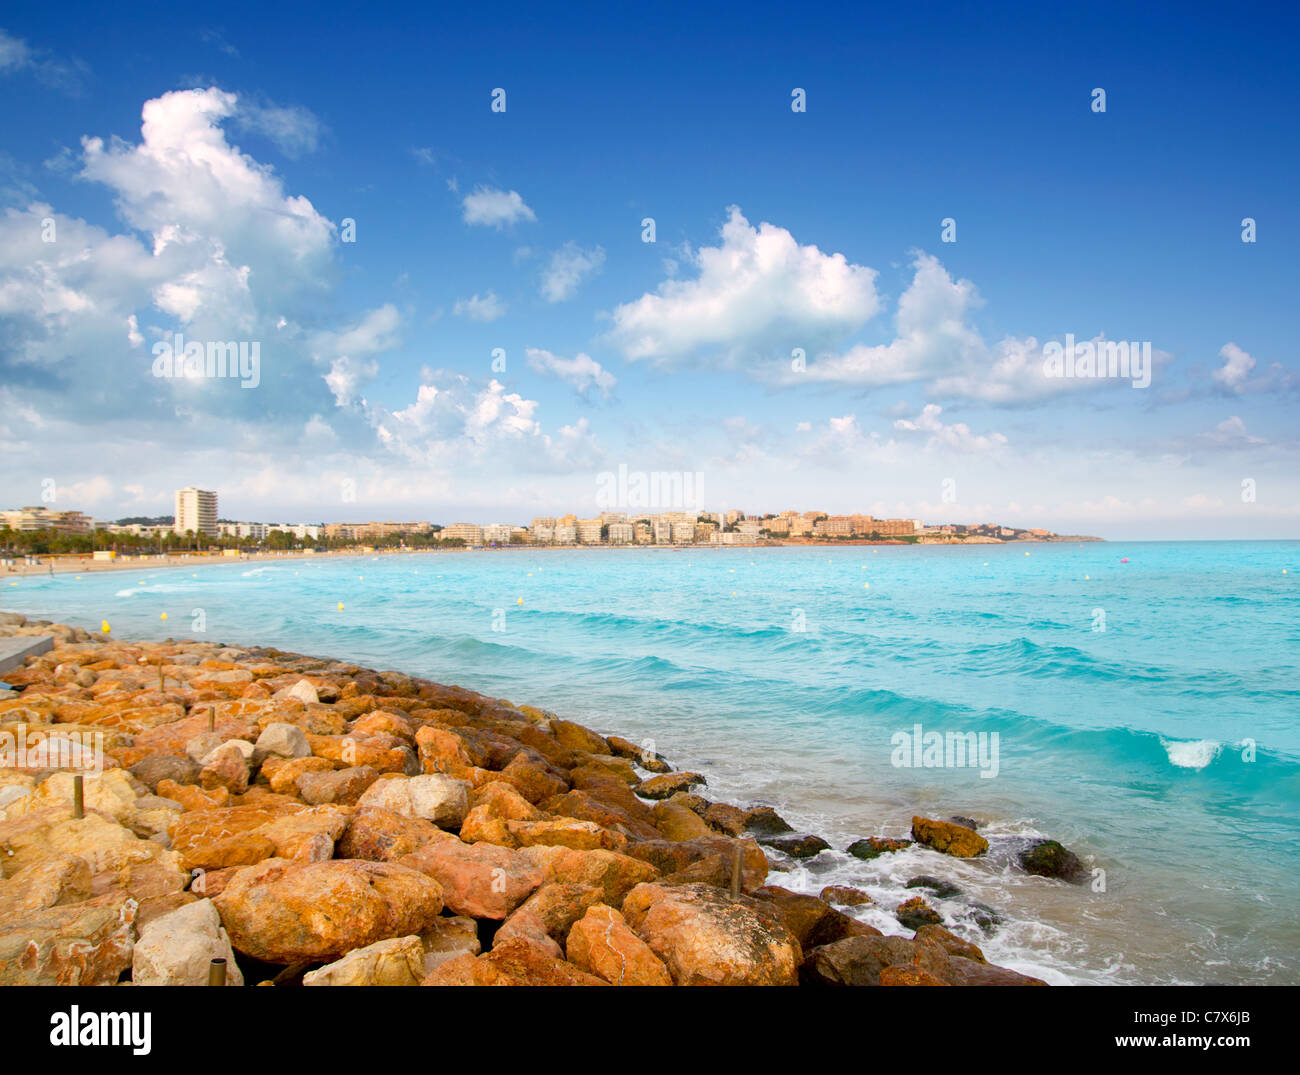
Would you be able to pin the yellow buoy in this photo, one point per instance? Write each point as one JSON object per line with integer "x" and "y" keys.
{"x": 163, "y": 616}
{"x": 866, "y": 585}
{"x": 733, "y": 593}
{"x": 103, "y": 626}
{"x": 141, "y": 582}
{"x": 520, "y": 601}
{"x": 340, "y": 606}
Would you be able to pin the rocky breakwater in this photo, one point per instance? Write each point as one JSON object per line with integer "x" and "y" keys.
{"x": 312, "y": 821}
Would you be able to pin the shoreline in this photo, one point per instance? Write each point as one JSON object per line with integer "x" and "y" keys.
{"x": 499, "y": 787}
{"x": 77, "y": 564}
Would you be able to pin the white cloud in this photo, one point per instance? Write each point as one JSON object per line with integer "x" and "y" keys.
{"x": 350, "y": 352}
{"x": 296, "y": 130}
{"x": 582, "y": 371}
{"x": 569, "y": 266}
{"x": 485, "y": 308}
{"x": 495, "y": 208}
{"x": 757, "y": 291}
{"x": 16, "y": 56}
{"x": 957, "y": 436}
{"x": 1237, "y": 366}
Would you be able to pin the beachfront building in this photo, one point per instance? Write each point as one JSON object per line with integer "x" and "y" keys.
{"x": 500, "y": 533}
{"x": 589, "y": 531}
{"x": 565, "y": 534}
{"x": 642, "y": 534}
{"x": 41, "y": 518}
{"x": 542, "y": 522}
{"x": 621, "y": 533}
{"x": 749, "y": 530}
{"x": 467, "y": 532}
{"x": 255, "y": 531}
{"x": 542, "y": 535}
{"x": 196, "y": 511}
{"x": 683, "y": 533}
{"x": 663, "y": 531}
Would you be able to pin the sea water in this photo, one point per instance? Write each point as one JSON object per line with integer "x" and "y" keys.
{"x": 1142, "y": 700}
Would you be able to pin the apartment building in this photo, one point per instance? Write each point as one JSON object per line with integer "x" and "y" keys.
{"x": 41, "y": 518}
{"x": 467, "y": 532}
{"x": 621, "y": 533}
{"x": 196, "y": 511}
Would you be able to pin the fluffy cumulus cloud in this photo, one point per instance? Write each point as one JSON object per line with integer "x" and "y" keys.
{"x": 493, "y": 208}
{"x": 568, "y": 268}
{"x": 756, "y": 291}
{"x": 480, "y": 308}
{"x": 213, "y": 246}
{"x": 956, "y": 436}
{"x": 587, "y": 376}
{"x": 1236, "y": 368}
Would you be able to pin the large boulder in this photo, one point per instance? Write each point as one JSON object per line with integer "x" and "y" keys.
{"x": 398, "y": 961}
{"x": 85, "y": 943}
{"x": 706, "y": 937}
{"x": 287, "y": 912}
{"x": 178, "y": 948}
{"x": 513, "y": 962}
{"x": 479, "y": 880}
{"x": 602, "y": 943}
{"x": 440, "y": 799}
{"x": 613, "y": 873}
{"x": 382, "y": 836}
{"x": 1047, "y": 858}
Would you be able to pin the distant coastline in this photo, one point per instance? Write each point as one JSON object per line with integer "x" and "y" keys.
{"x": 78, "y": 563}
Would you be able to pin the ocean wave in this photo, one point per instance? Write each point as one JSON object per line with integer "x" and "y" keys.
{"x": 1192, "y": 754}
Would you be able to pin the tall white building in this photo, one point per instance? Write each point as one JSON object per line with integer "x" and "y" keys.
{"x": 196, "y": 509}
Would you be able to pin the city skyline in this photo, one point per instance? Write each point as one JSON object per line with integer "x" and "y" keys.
{"x": 861, "y": 289}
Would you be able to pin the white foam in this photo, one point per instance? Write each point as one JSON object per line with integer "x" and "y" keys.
{"x": 1192, "y": 753}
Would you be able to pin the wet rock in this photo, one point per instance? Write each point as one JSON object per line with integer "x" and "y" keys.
{"x": 763, "y": 819}
{"x": 725, "y": 819}
{"x": 1047, "y": 858}
{"x": 858, "y": 961}
{"x": 899, "y": 975}
{"x": 798, "y": 846}
{"x": 875, "y": 846}
{"x": 677, "y": 822}
{"x": 813, "y": 921}
{"x": 846, "y": 896}
{"x": 949, "y": 838}
{"x": 944, "y": 890}
{"x": 965, "y": 822}
{"x": 706, "y": 937}
{"x": 668, "y": 784}
{"x": 951, "y": 943}
{"x": 915, "y": 913}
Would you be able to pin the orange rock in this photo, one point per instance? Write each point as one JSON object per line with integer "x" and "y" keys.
{"x": 613, "y": 873}
{"x": 479, "y": 880}
{"x": 283, "y": 773}
{"x": 287, "y": 912}
{"x": 514, "y": 962}
{"x": 192, "y": 797}
{"x": 704, "y": 936}
{"x": 906, "y": 975}
{"x": 949, "y": 838}
{"x": 382, "y": 836}
{"x": 601, "y": 942}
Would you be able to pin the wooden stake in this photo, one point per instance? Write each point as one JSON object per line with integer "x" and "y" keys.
{"x": 78, "y": 796}
{"x": 735, "y": 873}
{"x": 217, "y": 971}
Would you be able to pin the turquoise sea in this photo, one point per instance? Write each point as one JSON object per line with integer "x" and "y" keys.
{"x": 1145, "y": 698}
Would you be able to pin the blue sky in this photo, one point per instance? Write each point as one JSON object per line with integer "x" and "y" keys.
{"x": 265, "y": 127}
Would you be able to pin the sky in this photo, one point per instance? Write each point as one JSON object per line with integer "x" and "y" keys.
{"x": 874, "y": 229}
